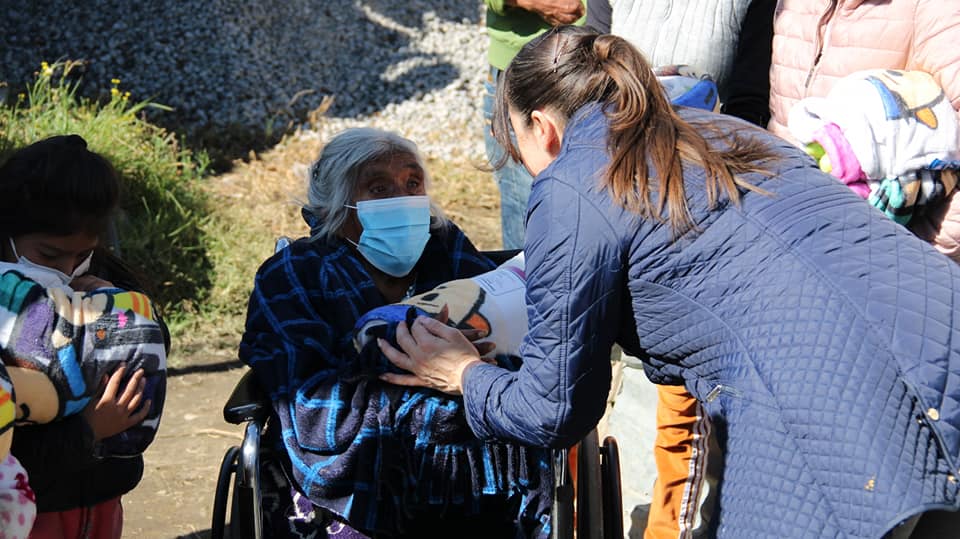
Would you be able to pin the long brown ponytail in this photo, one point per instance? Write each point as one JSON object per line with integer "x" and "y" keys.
{"x": 569, "y": 67}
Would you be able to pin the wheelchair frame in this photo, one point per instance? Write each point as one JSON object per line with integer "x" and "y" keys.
{"x": 590, "y": 508}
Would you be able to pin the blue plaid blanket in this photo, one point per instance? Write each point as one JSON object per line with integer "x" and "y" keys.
{"x": 375, "y": 454}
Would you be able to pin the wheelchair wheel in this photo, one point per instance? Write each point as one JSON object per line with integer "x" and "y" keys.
{"x": 227, "y": 468}
{"x": 612, "y": 492}
{"x": 589, "y": 513}
{"x": 561, "y": 513}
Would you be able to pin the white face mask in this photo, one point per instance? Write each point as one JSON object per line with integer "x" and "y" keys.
{"x": 46, "y": 276}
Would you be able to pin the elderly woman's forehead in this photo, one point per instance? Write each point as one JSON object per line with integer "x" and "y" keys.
{"x": 388, "y": 164}
{"x": 394, "y": 159}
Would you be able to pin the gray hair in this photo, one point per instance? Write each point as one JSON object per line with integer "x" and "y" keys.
{"x": 333, "y": 177}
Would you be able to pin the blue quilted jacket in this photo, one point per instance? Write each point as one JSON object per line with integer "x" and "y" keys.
{"x": 823, "y": 338}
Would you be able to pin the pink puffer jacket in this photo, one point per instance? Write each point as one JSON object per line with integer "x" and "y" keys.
{"x": 816, "y": 42}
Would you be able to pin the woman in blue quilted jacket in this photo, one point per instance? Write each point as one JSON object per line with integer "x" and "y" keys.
{"x": 821, "y": 336}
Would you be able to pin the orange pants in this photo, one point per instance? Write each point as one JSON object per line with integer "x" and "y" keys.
{"x": 680, "y": 506}
{"x": 102, "y": 521}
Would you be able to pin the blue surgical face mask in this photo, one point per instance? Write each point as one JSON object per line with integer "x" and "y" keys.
{"x": 395, "y": 231}
{"x": 46, "y": 276}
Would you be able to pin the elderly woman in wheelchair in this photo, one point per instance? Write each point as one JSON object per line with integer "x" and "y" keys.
{"x": 351, "y": 451}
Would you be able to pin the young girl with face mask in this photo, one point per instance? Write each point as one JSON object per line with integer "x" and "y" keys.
{"x": 80, "y": 432}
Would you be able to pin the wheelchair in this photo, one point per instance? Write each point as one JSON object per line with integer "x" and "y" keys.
{"x": 587, "y": 501}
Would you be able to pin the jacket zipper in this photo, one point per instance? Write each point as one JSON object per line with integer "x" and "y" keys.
{"x": 825, "y": 23}
{"x": 719, "y": 389}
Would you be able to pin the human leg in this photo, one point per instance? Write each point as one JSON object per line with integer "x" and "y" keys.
{"x": 101, "y": 521}
{"x": 512, "y": 179}
{"x": 288, "y": 513}
{"x": 106, "y": 520}
{"x": 683, "y": 494}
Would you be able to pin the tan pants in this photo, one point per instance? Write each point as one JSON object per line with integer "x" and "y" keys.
{"x": 616, "y": 384}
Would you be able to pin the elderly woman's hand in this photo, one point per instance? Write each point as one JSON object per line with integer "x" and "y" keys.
{"x": 434, "y": 352}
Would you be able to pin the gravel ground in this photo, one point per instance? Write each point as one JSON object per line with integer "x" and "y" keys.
{"x": 415, "y": 67}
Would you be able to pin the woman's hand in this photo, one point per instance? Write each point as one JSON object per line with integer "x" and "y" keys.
{"x": 111, "y": 414}
{"x": 434, "y": 352}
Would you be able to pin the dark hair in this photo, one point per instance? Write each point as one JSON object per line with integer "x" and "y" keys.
{"x": 569, "y": 67}
{"x": 56, "y": 186}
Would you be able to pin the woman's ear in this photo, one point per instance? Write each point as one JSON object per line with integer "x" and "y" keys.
{"x": 547, "y": 131}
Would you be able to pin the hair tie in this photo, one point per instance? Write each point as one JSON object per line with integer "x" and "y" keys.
{"x": 558, "y": 50}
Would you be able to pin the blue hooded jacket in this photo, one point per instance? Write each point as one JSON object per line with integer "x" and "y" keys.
{"x": 821, "y": 336}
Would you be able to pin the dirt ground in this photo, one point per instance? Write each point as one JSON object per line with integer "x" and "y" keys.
{"x": 175, "y": 497}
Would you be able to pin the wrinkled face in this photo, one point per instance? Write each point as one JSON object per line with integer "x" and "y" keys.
{"x": 397, "y": 175}
{"x": 534, "y": 156}
{"x": 63, "y": 253}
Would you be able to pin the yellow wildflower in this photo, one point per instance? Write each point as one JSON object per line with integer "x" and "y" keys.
{"x": 114, "y": 92}
{"x": 114, "y": 81}
{"x": 46, "y": 69}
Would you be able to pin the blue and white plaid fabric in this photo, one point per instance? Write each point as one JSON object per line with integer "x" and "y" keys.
{"x": 377, "y": 455}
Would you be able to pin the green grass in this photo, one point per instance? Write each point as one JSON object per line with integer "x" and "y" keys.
{"x": 163, "y": 208}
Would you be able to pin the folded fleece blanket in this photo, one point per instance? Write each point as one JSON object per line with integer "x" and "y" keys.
{"x": 57, "y": 346}
{"x": 892, "y": 136}
{"x": 492, "y": 302}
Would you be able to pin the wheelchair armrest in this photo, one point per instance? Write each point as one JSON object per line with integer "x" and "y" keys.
{"x": 248, "y": 402}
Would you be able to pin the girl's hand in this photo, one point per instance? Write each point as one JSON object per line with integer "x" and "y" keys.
{"x": 111, "y": 414}
{"x": 434, "y": 352}
{"x": 87, "y": 283}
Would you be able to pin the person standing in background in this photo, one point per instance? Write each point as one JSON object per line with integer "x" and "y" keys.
{"x": 730, "y": 41}
{"x": 511, "y": 24}
{"x": 818, "y": 42}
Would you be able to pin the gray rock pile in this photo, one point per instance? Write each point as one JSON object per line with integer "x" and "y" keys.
{"x": 415, "y": 66}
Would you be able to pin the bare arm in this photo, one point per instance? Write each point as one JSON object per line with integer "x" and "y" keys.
{"x": 554, "y": 12}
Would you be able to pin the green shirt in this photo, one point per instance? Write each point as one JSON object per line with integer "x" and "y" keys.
{"x": 511, "y": 28}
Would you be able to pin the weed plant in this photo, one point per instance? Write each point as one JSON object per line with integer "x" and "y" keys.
{"x": 160, "y": 224}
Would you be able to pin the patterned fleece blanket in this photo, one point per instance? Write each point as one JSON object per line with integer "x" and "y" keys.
{"x": 59, "y": 345}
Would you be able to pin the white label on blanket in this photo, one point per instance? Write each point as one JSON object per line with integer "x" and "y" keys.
{"x": 500, "y": 282}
